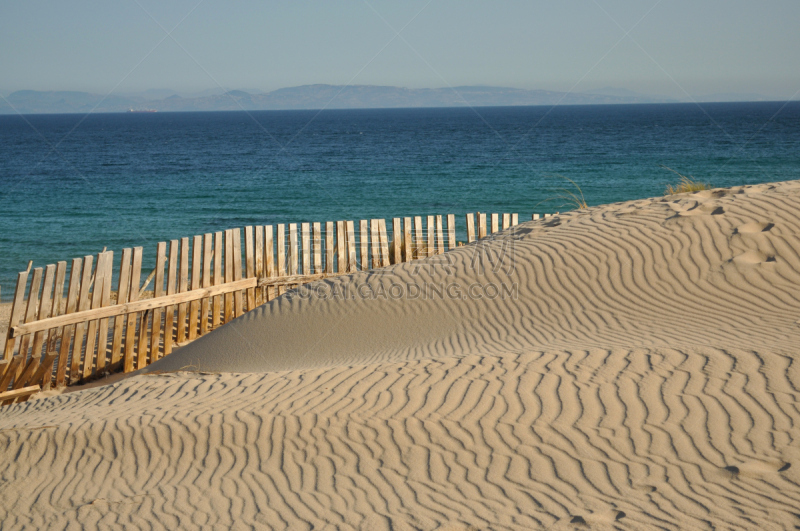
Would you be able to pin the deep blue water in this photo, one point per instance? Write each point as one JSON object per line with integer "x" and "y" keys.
{"x": 71, "y": 184}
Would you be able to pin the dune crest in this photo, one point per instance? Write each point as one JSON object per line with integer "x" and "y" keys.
{"x": 641, "y": 374}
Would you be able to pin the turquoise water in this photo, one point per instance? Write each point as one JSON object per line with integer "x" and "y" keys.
{"x": 71, "y": 184}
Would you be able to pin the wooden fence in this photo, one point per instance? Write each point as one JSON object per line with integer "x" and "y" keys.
{"x": 59, "y": 336}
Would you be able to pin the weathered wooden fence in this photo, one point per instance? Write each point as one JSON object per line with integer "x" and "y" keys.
{"x": 64, "y": 337}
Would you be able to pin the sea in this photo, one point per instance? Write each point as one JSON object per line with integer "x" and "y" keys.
{"x": 73, "y": 184}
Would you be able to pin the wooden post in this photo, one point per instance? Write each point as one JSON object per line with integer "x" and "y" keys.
{"x": 535, "y": 217}
{"x": 439, "y": 235}
{"x": 259, "y": 269}
{"x": 396, "y": 255}
{"x": 172, "y": 288}
{"x": 305, "y": 235}
{"x": 470, "y": 228}
{"x": 514, "y": 220}
{"x": 216, "y": 302}
{"x": 341, "y": 247}
{"x": 158, "y": 291}
{"x": 269, "y": 260}
{"x": 506, "y": 221}
{"x": 57, "y": 334}
{"x": 384, "y": 242}
{"x": 330, "y": 249}
{"x": 39, "y": 337}
{"x": 317, "y": 248}
{"x": 133, "y": 296}
{"x": 495, "y": 223}
{"x": 481, "y": 224}
{"x": 352, "y": 265}
{"x": 196, "y": 277}
{"x": 72, "y": 305}
{"x": 16, "y": 315}
{"x": 80, "y": 328}
{"x": 105, "y": 300}
{"x": 227, "y": 311}
{"x": 238, "y": 304}
{"x": 375, "y": 247}
{"x": 364, "y": 234}
{"x": 250, "y": 264}
{"x": 431, "y": 246}
{"x": 419, "y": 250}
{"x": 97, "y": 294}
{"x": 408, "y": 242}
{"x": 292, "y": 251}
{"x": 451, "y": 231}
{"x": 183, "y": 285}
{"x": 30, "y": 315}
{"x": 281, "y": 251}
{"x": 208, "y": 243}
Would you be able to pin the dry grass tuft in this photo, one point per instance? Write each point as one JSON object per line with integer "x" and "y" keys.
{"x": 569, "y": 197}
{"x": 686, "y": 184}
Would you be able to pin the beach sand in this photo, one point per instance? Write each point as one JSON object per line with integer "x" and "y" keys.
{"x": 633, "y": 367}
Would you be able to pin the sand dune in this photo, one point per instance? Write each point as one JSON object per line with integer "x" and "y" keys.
{"x": 640, "y": 375}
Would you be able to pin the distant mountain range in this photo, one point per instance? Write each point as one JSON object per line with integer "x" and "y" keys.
{"x": 314, "y": 97}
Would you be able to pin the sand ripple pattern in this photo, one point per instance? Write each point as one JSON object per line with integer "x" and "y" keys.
{"x": 619, "y": 439}
{"x": 645, "y": 377}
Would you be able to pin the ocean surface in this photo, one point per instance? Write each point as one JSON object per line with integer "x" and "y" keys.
{"x": 72, "y": 184}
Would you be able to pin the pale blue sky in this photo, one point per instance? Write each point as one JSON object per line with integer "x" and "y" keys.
{"x": 673, "y": 47}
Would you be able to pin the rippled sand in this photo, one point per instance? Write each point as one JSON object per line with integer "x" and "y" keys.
{"x": 639, "y": 373}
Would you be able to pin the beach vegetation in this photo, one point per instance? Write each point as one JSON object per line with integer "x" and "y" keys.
{"x": 686, "y": 184}
{"x": 571, "y": 196}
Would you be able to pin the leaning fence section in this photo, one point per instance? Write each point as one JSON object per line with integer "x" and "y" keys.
{"x": 73, "y": 322}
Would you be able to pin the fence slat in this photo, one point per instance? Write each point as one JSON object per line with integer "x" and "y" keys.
{"x": 172, "y": 287}
{"x": 397, "y": 241}
{"x": 384, "y": 242}
{"x": 451, "y": 231}
{"x": 352, "y": 264}
{"x": 42, "y": 312}
{"x": 305, "y": 235}
{"x": 10, "y": 371}
{"x": 196, "y": 276}
{"x": 495, "y": 223}
{"x": 57, "y": 334}
{"x": 16, "y": 314}
{"x": 238, "y": 305}
{"x": 141, "y": 352}
{"x": 534, "y": 217}
{"x": 481, "y": 224}
{"x": 91, "y": 334}
{"x": 330, "y": 249}
{"x": 341, "y": 248}
{"x": 431, "y": 246}
{"x": 514, "y": 220}
{"x": 158, "y": 291}
{"x": 470, "y": 228}
{"x": 439, "y": 235}
{"x": 250, "y": 264}
{"x": 208, "y": 240}
{"x": 183, "y": 285}
{"x": 269, "y": 260}
{"x": 227, "y": 313}
{"x": 419, "y": 244}
{"x": 364, "y": 244}
{"x": 291, "y": 255}
{"x": 316, "y": 242}
{"x": 282, "y": 258}
{"x": 408, "y": 243}
{"x": 30, "y": 315}
{"x": 45, "y": 309}
{"x": 105, "y": 300}
{"x": 216, "y": 302}
{"x": 133, "y": 296}
{"x": 66, "y": 331}
{"x": 375, "y": 247}
{"x": 123, "y": 284}
{"x": 259, "y": 265}
{"x": 506, "y": 221}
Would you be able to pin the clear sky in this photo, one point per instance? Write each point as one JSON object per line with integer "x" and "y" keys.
{"x": 669, "y": 47}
